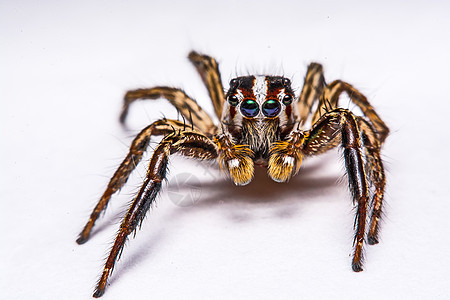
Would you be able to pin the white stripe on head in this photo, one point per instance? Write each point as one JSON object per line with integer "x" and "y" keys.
{"x": 260, "y": 88}
{"x": 281, "y": 94}
{"x": 239, "y": 94}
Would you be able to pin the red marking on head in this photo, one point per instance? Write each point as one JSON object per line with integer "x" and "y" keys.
{"x": 232, "y": 112}
{"x": 247, "y": 93}
{"x": 288, "y": 111}
{"x": 273, "y": 93}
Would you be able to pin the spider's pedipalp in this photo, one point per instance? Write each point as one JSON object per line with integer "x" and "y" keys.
{"x": 285, "y": 158}
{"x": 235, "y": 160}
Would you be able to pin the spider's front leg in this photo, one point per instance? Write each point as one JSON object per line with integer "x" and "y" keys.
{"x": 375, "y": 171}
{"x": 187, "y": 143}
{"x": 120, "y": 177}
{"x": 341, "y": 125}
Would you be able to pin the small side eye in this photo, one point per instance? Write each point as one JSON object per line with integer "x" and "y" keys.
{"x": 286, "y": 82}
{"x": 233, "y": 81}
{"x": 233, "y": 100}
{"x": 287, "y": 99}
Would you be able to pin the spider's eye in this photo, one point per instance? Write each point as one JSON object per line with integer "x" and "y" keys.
{"x": 233, "y": 100}
{"x": 287, "y": 99}
{"x": 233, "y": 82}
{"x": 286, "y": 82}
{"x": 249, "y": 108}
{"x": 271, "y": 108}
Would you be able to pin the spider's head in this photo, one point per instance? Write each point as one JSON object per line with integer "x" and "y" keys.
{"x": 258, "y": 108}
{"x": 259, "y": 97}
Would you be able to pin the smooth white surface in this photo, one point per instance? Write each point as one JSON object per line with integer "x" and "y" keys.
{"x": 64, "y": 69}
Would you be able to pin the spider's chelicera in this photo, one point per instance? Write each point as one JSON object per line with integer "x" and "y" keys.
{"x": 262, "y": 123}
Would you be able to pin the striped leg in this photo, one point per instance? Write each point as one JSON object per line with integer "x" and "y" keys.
{"x": 120, "y": 177}
{"x": 185, "y": 142}
{"x": 329, "y": 100}
{"x": 311, "y": 91}
{"x": 188, "y": 107}
{"x": 342, "y": 123}
{"x": 208, "y": 69}
{"x": 375, "y": 170}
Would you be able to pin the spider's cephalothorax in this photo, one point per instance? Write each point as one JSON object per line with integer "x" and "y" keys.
{"x": 262, "y": 123}
{"x": 258, "y": 111}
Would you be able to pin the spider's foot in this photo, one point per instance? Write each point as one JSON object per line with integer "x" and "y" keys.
{"x": 83, "y": 237}
{"x": 372, "y": 240}
{"x": 236, "y": 161}
{"x": 357, "y": 261}
{"x": 357, "y": 267}
{"x": 98, "y": 293}
{"x": 81, "y": 240}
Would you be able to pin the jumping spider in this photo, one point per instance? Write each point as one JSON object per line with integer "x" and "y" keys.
{"x": 262, "y": 123}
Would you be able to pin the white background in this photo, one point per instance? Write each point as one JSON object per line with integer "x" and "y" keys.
{"x": 64, "y": 69}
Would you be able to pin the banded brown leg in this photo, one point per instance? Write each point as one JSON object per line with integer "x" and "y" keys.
{"x": 189, "y": 109}
{"x": 329, "y": 101}
{"x": 187, "y": 143}
{"x": 375, "y": 170}
{"x": 120, "y": 177}
{"x": 342, "y": 123}
{"x": 208, "y": 69}
{"x": 311, "y": 91}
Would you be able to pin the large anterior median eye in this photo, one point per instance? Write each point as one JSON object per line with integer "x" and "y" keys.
{"x": 249, "y": 108}
{"x": 271, "y": 108}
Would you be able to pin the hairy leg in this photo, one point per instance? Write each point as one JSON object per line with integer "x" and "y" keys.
{"x": 120, "y": 177}
{"x": 311, "y": 91}
{"x": 375, "y": 170}
{"x": 189, "y": 109}
{"x": 208, "y": 69}
{"x": 341, "y": 124}
{"x": 329, "y": 100}
{"x": 187, "y": 143}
